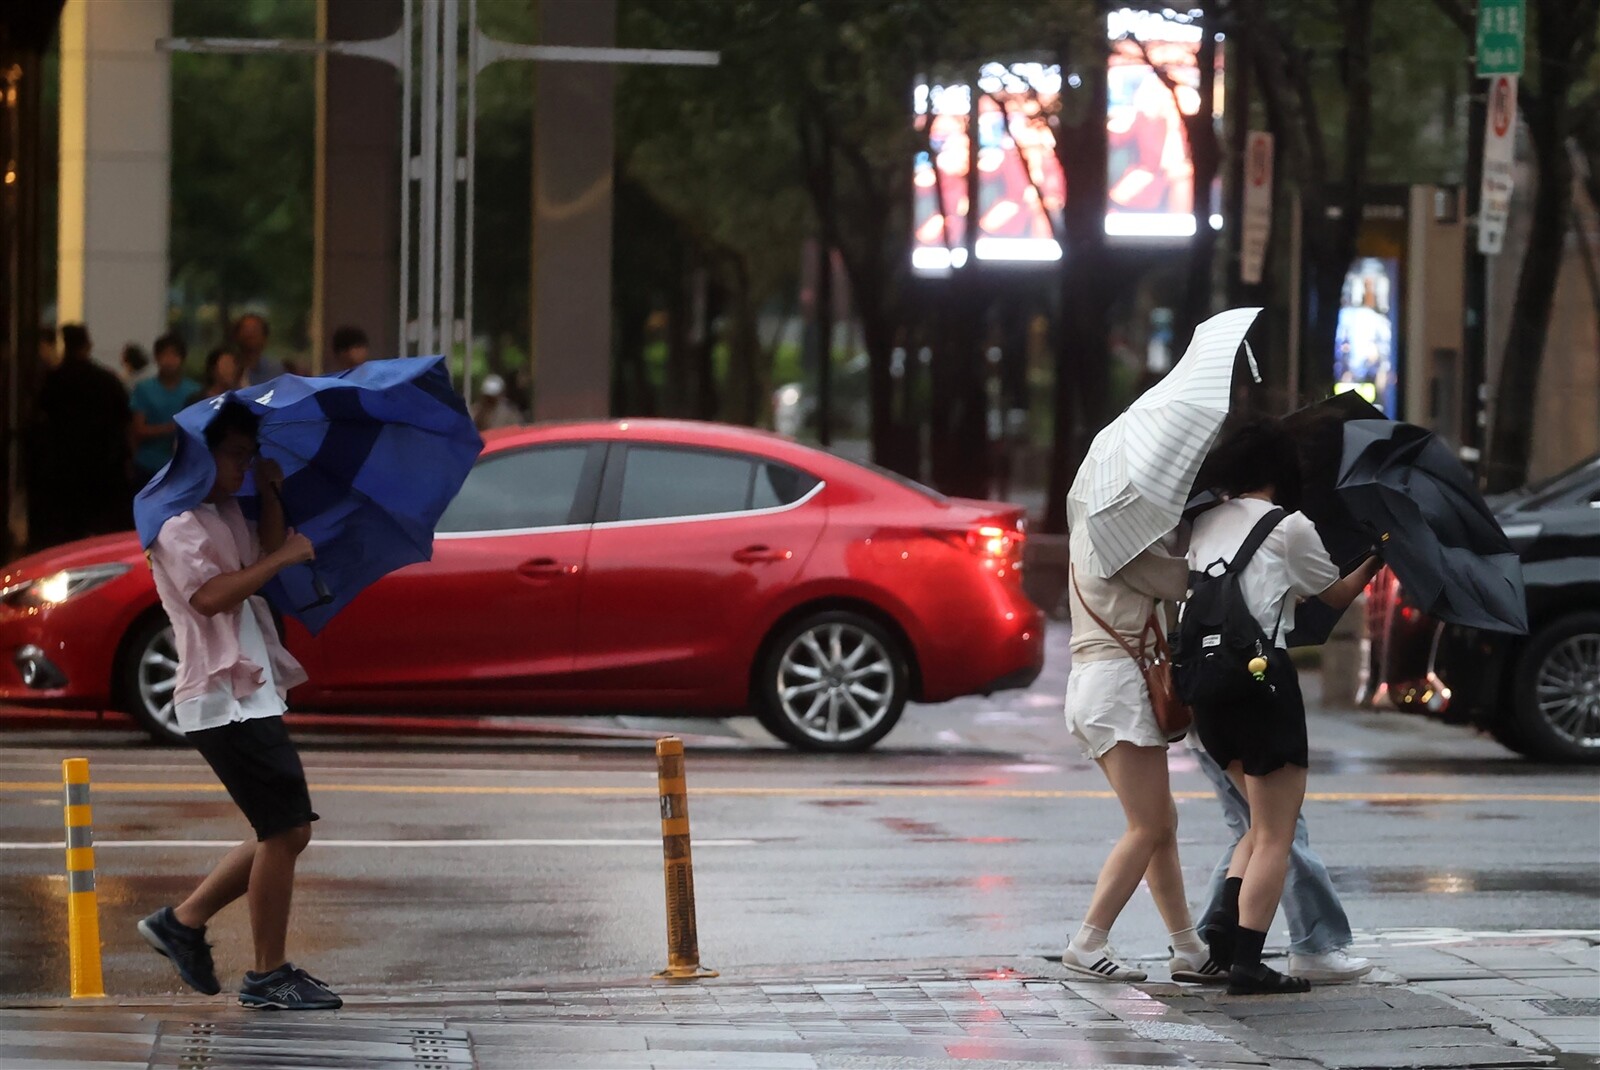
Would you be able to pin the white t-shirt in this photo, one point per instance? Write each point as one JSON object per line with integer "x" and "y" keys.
{"x": 1291, "y": 563}
{"x": 218, "y": 706}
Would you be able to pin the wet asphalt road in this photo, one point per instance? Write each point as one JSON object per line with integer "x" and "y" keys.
{"x": 975, "y": 829}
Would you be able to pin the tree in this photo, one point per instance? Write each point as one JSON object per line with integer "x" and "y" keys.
{"x": 1561, "y": 45}
{"x": 243, "y": 153}
{"x": 1297, "y": 114}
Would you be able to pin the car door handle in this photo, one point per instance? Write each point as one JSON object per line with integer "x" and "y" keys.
{"x": 752, "y": 555}
{"x": 543, "y": 568}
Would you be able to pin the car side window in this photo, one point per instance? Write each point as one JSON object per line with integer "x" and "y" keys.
{"x": 532, "y": 488}
{"x": 660, "y": 483}
{"x": 778, "y": 484}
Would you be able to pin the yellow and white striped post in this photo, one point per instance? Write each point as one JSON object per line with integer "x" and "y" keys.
{"x": 683, "y": 937}
{"x": 83, "y": 911}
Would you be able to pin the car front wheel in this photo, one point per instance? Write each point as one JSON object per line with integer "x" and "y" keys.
{"x": 1557, "y": 691}
{"x": 149, "y": 673}
{"x": 833, "y": 681}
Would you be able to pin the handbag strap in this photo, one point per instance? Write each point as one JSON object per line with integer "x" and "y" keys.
{"x": 1137, "y": 655}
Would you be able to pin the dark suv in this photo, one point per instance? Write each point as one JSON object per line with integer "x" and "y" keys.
{"x": 1538, "y": 694}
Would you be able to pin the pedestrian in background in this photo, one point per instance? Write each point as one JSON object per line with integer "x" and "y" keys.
{"x": 155, "y": 403}
{"x": 1108, "y": 712}
{"x": 1262, "y": 744}
{"x": 349, "y": 348}
{"x": 233, "y": 675}
{"x": 222, "y": 372}
{"x": 250, "y": 334}
{"x": 80, "y": 460}
{"x": 136, "y": 366}
{"x": 492, "y": 409}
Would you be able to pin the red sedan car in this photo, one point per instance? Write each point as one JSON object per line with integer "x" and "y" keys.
{"x": 634, "y": 565}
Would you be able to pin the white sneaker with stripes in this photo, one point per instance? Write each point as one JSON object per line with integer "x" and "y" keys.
{"x": 1100, "y": 965}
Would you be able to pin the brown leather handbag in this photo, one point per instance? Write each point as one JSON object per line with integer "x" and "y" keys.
{"x": 1155, "y": 663}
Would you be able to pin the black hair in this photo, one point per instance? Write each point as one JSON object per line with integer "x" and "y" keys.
{"x": 266, "y": 328}
{"x": 173, "y": 341}
{"x": 214, "y": 358}
{"x": 348, "y": 338}
{"x": 1255, "y": 455}
{"x": 231, "y": 419}
{"x": 75, "y": 340}
{"x": 135, "y": 357}
{"x": 47, "y": 334}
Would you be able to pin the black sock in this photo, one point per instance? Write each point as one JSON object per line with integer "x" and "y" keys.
{"x": 1230, "y": 898}
{"x": 1247, "y": 947}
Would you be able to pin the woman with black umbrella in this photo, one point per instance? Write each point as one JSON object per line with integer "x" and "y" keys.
{"x": 1261, "y": 739}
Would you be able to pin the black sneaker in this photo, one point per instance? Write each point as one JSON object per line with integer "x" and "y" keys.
{"x": 287, "y": 988}
{"x": 186, "y": 947}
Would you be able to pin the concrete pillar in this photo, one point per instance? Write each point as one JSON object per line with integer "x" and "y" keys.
{"x": 572, "y": 201}
{"x": 116, "y": 109}
{"x": 358, "y": 183}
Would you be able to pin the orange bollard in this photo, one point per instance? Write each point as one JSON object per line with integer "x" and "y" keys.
{"x": 83, "y": 910}
{"x": 683, "y": 938}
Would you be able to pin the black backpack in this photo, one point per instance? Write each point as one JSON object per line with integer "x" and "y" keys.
{"x": 1220, "y": 653}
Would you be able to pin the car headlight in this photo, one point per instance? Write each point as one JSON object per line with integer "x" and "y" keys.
{"x": 59, "y": 587}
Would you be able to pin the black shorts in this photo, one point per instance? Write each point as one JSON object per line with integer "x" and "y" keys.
{"x": 1262, "y": 736}
{"x": 257, "y": 763}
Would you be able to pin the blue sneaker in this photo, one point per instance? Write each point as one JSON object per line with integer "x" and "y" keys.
{"x": 287, "y": 988}
{"x": 186, "y": 947}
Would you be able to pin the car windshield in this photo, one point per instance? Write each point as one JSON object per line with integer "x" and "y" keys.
{"x": 1563, "y": 483}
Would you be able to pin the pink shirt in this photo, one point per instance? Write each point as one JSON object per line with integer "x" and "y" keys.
{"x": 195, "y": 547}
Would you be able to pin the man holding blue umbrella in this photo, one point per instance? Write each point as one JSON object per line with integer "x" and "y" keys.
{"x": 233, "y": 676}
{"x": 363, "y": 463}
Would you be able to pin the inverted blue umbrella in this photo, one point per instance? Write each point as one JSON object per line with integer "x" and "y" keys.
{"x": 371, "y": 458}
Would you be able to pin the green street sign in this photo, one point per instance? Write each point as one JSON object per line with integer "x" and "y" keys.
{"x": 1501, "y": 26}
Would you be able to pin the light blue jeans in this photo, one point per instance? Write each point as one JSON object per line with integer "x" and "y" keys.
{"x": 1317, "y": 921}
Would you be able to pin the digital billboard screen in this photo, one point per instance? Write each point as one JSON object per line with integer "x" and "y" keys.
{"x": 1021, "y": 187}
{"x": 1366, "y": 358}
{"x": 1020, "y": 184}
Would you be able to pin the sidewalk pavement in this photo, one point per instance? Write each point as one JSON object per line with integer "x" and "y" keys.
{"x": 1443, "y": 998}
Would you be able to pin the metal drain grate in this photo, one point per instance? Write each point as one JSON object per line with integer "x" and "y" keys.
{"x": 283, "y": 1044}
{"x": 1568, "y": 1008}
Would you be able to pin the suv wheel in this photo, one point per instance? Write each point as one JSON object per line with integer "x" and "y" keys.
{"x": 147, "y": 676}
{"x": 834, "y": 681}
{"x": 1556, "y": 695}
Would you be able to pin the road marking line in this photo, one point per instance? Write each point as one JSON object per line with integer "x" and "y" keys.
{"x": 211, "y": 787}
{"x": 55, "y": 845}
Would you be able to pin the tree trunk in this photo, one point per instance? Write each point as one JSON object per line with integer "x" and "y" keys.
{"x": 1083, "y": 334}
{"x": 1205, "y": 156}
{"x": 959, "y": 446}
{"x": 1566, "y": 35}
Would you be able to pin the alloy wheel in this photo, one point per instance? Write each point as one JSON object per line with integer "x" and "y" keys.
{"x": 1567, "y": 689}
{"x": 158, "y": 677}
{"x": 836, "y": 682}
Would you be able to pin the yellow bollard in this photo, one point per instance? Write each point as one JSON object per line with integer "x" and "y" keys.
{"x": 683, "y": 941}
{"x": 83, "y": 911}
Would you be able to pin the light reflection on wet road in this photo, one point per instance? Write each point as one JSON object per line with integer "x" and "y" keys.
{"x": 976, "y": 830}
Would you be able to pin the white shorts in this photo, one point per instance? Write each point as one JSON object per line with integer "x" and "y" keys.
{"x": 1107, "y": 704}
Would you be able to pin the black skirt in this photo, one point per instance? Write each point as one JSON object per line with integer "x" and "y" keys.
{"x": 1264, "y": 734}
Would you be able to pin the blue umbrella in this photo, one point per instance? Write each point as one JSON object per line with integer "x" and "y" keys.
{"x": 370, "y": 457}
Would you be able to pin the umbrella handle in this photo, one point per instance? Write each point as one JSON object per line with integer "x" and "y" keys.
{"x": 324, "y": 596}
{"x": 318, "y": 586}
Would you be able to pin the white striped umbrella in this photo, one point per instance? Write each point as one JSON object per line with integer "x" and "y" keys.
{"x": 1142, "y": 466}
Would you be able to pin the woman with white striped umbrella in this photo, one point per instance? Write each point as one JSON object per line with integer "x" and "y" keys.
{"x": 1123, "y": 510}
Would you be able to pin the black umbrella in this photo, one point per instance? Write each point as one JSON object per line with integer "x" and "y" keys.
{"x": 1414, "y": 498}
{"x": 1318, "y": 431}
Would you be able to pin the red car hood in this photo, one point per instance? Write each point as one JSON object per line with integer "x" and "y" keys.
{"x": 96, "y": 551}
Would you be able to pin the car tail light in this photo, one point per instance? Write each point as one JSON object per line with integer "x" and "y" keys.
{"x": 998, "y": 543}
